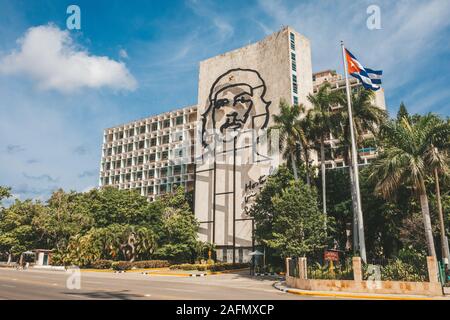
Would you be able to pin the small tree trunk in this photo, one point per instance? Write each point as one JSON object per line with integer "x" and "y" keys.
{"x": 9, "y": 258}
{"x": 441, "y": 215}
{"x": 426, "y": 219}
{"x": 294, "y": 166}
{"x": 308, "y": 178}
{"x": 324, "y": 183}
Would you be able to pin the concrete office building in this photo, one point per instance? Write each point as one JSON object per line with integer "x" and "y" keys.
{"x": 152, "y": 155}
{"x": 218, "y": 147}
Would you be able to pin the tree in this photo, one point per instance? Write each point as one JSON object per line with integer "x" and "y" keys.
{"x": 178, "y": 235}
{"x": 67, "y": 216}
{"x": 262, "y": 210}
{"x": 17, "y": 233}
{"x": 404, "y": 160}
{"x": 5, "y": 193}
{"x": 324, "y": 122}
{"x": 287, "y": 123}
{"x": 297, "y": 228}
{"x": 402, "y": 112}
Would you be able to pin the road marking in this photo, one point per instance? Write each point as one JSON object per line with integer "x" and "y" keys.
{"x": 93, "y": 282}
{"x": 181, "y": 290}
{"x": 8, "y": 286}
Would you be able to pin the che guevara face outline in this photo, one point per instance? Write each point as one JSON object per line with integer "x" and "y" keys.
{"x": 232, "y": 105}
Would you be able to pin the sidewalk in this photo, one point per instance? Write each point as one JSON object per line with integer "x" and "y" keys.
{"x": 349, "y": 295}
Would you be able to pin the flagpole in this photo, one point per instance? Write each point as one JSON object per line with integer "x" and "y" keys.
{"x": 362, "y": 244}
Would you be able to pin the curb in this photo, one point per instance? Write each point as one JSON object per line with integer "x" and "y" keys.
{"x": 344, "y": 295}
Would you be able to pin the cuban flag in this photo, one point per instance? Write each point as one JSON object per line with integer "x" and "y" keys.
{"x": 370, "y": 79}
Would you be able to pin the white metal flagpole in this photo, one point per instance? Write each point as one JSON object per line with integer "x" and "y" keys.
{"x": 362, "y": 243}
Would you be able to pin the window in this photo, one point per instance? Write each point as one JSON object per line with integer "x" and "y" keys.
{"x": 131, "y": 132}
{"x": 121, "y": 135}
{"x": 141, "y": 144}
{"x": 119, "y": 149}
{"x": 129, "y": 162}
{"x": 152, "y": 157}
{"x": 293, "y": 56}
{"x": 295, "y": 101}
{"x": 165, "y": 139}
{"x": 294, "y": 66}
{"x": 179, "y": 120}
{"x": 140, "y": 159}
{"x": 142, "y": 130}
{"x": 139, "y": 175}
{"x": 130, "y": 147}
{"x": 154, "y": 126}
{"x": 166, "y": 123}
{"x": 165, "y": 155}
{"x": 294, "y": 83}
{"x": 117, "y": 164}
{"x": 151, "y": 173}
{"x": 108, "y": 165}
{"x": 153, "y": 142}
{"x": 292, "y": 38}
{"x": 109, "y": 151}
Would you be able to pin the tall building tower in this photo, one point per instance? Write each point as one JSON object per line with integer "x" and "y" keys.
{"x": 238, "y": 94}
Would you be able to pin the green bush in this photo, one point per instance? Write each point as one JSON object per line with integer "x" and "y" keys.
{"x": 221, "y": 266}
{"x": 402, "y": 271}
{"x": 148, "y": 264}
{"x": 122, "y": 265}
{"x": 101, "y": 264}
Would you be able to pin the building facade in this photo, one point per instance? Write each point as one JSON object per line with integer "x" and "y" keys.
{"x": 238, "y": 93}
{"x": 152, "y": 155}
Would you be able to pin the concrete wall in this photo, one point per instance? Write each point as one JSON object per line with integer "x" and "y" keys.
{"x": 381, "y": 287}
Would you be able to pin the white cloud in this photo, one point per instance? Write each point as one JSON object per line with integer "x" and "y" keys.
{"x": 50, "y": 57}
{"x": 123, "y": 54}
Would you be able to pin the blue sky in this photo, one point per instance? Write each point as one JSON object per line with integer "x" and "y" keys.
{"x": 146, "y": 54}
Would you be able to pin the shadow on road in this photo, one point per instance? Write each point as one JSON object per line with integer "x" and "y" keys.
{"x": 106, "y": 295}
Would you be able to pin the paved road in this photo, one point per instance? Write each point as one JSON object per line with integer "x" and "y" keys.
{"x": 37, "y": 284}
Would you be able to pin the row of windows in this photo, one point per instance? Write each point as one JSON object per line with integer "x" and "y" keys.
{"x": 160, "y": 173}
{"x": 143, "y": 144}
{"x": 164, "y": 124}
{"x": 150, "y": 158}
{"x": 292, "y": 38}
{"x": 294, "y": 68}
{"x": 294, "y": 84}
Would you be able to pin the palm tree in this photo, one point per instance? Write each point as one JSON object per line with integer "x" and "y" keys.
{"x": 367, "y": 118}
{"x": 437, "y": 159}
{"x": 323, "y": 122}
{"x": 290, "y": 135}
{"x": 405, "y": 160}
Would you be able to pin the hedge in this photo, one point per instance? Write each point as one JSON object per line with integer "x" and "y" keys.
{"x": 148, "y": 264}
{"x": 101, "y": 264}
{"x": 221, "y": 266}
{"x": 125, "y": 265}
